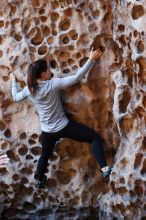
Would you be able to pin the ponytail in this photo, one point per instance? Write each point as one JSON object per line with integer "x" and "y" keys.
{"x": 34, "y": 73}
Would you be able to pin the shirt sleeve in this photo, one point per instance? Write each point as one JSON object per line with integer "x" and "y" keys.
{"x": 18, "y": 96}
{"x": 62, "y": 83}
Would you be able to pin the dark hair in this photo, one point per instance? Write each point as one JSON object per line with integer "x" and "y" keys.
{"x": 34, "y": 72}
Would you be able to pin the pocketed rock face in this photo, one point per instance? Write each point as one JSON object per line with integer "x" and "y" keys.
{"x": 110, "y": 99}
{"x": 127, "y": 195}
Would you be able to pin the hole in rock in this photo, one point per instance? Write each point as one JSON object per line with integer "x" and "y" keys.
{"x": 121, "y": 27}
{"x": 54, "y": 16}
{"x": 46, "y": 31}
{"x": 5, "y": 78}
{"x": 137, "y": 11}
{"x": 68, "y": 12}
{"x": 64, "y": 64}
{"x": 73, "y": 34}
{"x": 2, "y": 126}
{"x": 26, "y": 25}
{"x": 140, "y": 47}
{"x": 51, "y": 183}
{"x": 124, "y": 101}
{"x": 50, "y": 40}
{"x": 1, "y": 53}
{"x": 78, "y": 55}
{"x": 1, "y": 39}
{"x": 143, "y": 170}
{"x": 32, "y": 49}
{"x": 64, "y": 54}
{"x": 34, "y": 136}
{"x": 65, "y": 40}
{"x": 31, "y": 141}
{"x": 37, "y": 39}
{"x": 42, "y": 50}
{"x": 71, "y": 47}
{"x": 32, "y": 33}
{"x": 22, "y": 135}
{"x": 135, "y": 33}
{"x": 43, "y": 18}
{"x": 144, "y": 101}
{"x": 54, "y": 32}
{"x": 142, "y": 65}
{"x": 92, "y": 27}
{"x": 71, "y": 61}
{"x": 74, "y": 67}
{"x": 54, "y": 4}
{"x": 66, "y": 70}
{"x": 4, "y": 146}
{"x": 15, "y": 21}
{"x": 140, "y": 111}
{"x": 17, "y": 37}
{"x": 7, "y": 133}
{"x": 53, "y": 157}
{"x": 83, "y": 61}
{"x": 23, "y": 150}
{"x": 13, "y": 156}
{"x": 41, "y": 11}
{"x": 54, "y": 167}
{"x": 36, "y": 150}
{"x": 138, "y": 189}
{"x": 29, "y": 157}
{"x": 26, "y": 170}
{"x": 122, "y": 190}
{"x": 15, "y": 177}
{"x": 63, "y": 177}
{"x": 13, "y": 8}
{"x": 7, "y": 24}
{"x": 53, "y": 64}
{"x": 126, "y": 125}
{"x": 1, "y": 24}
{"x": 123, "y": 40}
{"x": 65, "y": 24}
{"x": 122, "y": 180}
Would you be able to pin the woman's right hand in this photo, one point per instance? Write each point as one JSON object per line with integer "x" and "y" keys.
{"x": 12, "y": 76}
{"x": 94, "y": 55}
{"x": 3, "y": 161}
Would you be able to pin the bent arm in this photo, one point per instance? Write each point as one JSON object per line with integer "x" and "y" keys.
{"x": 62, "y": 83}
{"x": 18, "y": 96}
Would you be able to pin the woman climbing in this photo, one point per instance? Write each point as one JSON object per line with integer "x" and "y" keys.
{"x": 44, "y": 92}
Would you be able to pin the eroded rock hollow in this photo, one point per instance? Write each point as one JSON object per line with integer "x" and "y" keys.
{"x": 111, "y": 99}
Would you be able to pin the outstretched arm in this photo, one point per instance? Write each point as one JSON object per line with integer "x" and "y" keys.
{"x": 61, "y": 83}
{"x": 17, "y": 96}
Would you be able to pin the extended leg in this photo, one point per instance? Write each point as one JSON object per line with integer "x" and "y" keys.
{"x": 48, "y": 143}
{"x": 83, "y": 133}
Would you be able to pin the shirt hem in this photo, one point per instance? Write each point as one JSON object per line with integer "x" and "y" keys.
{"x": 53, "y": 131}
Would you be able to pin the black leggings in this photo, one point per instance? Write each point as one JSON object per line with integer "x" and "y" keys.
{"x": 75, "y": 131}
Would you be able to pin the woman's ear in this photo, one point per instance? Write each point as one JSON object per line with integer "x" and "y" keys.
{"x": 42, "y": 75}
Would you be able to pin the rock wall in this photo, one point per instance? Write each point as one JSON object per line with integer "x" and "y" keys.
{"x": 111, "y": 99}
{"x": 127, "y": 194}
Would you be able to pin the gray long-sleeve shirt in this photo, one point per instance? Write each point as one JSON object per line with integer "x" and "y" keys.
{"x": 47, "y": 98}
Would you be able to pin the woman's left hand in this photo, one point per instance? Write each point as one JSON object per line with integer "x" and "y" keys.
{"x": 12, "y": 76}
{"x": 94, "y": 55}
{"x": 3, "y": 160}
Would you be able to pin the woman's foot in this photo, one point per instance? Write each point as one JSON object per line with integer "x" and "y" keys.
{"x": 106, "y": 171}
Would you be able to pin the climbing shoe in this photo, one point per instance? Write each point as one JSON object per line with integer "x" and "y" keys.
{"x": 107, "y": 172}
